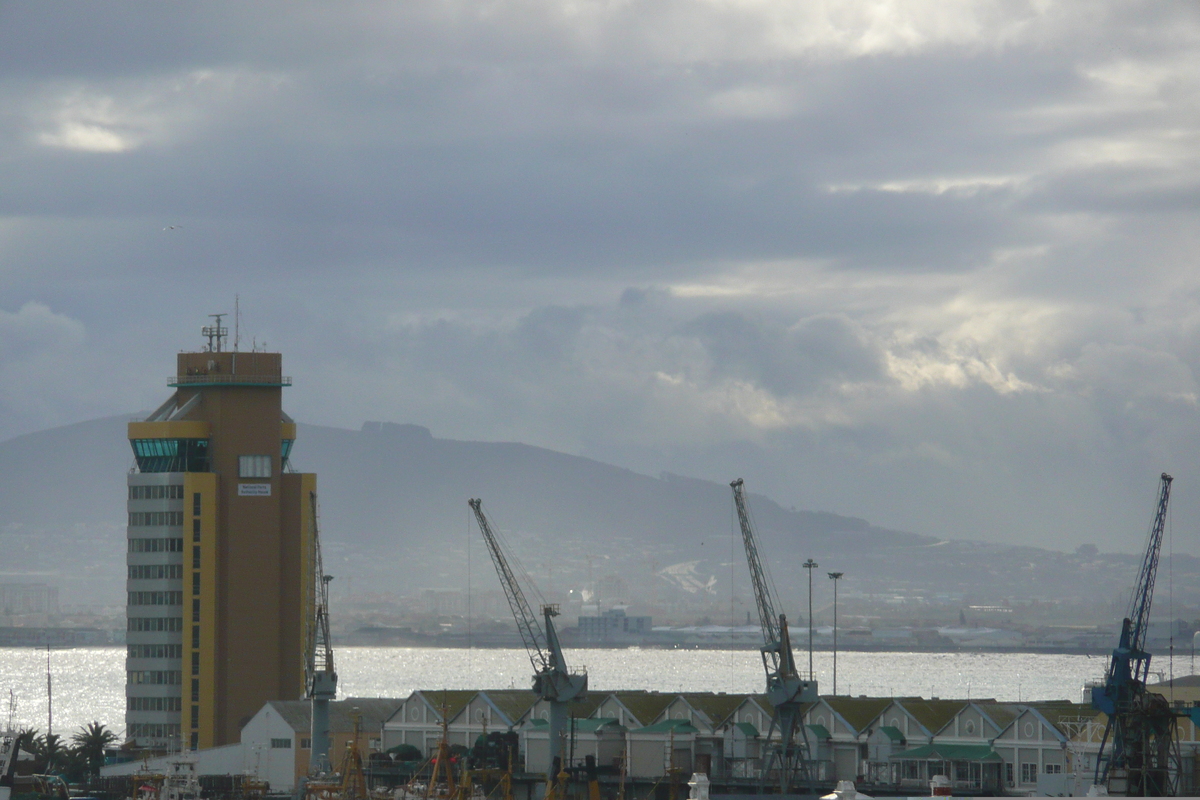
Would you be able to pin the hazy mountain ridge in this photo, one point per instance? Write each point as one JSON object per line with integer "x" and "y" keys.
{"x": 395, "y": 520}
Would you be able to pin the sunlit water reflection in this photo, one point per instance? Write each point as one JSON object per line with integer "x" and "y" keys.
{"x": 88, "y": 683}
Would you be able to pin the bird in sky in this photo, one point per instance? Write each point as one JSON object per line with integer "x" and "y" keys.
{"x": 173, "y": 227}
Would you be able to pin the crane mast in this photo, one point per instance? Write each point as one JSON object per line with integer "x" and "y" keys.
{"x": 786, "y": 691}
{"x": 320, "y": 679}
{"x": 552, "y": 681}
{"x": 1141, "y": 724}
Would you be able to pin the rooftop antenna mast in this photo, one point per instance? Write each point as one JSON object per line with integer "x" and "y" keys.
{"x": 237, "y": 323}
{"x": 216, "y": 333}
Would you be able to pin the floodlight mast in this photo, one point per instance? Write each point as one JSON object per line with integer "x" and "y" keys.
{"x": 786, "y": 691}
{"x": 551, "y": 679}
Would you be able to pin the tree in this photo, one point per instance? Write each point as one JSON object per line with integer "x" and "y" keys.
{"x": 91, "y": 741}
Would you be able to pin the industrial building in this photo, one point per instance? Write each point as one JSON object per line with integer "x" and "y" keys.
{"x": 218, "y": 553}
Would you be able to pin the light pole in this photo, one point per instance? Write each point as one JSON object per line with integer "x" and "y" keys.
{"x": 810, "y": 565}
{"x": 835, "y": 577}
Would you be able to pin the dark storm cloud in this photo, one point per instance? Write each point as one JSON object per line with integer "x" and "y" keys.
{"x": 928, "y": 263}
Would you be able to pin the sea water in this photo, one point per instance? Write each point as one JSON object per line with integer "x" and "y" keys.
{"x": 88, "y": 684}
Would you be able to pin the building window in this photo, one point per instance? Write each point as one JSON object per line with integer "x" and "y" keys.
{"x": 195, "y": 690}
{"x": 1028, "y": 773}
{"x": 195, "y": 716}
{"x": 306, "y": 744}
{"x": 173, "y": 492}
{"x": 1054, "y": 769}
{"x": 154, "y": 703}
{"x": 281, "y": 744}
{"x": 195, "y": 583}
{"x": 195, "y": 740}
{"x": 157, "y": 677}
{"x": 254, "y": 466}
{"x": 1008, "y": 774}
{"x": 156, "y": 651}
{"x": 156, "y": 545}
{"x": 143, "y": 518}
{"x": 155, "y": 572}
{"x": 156, "y": 598}
{"x": 195, "y": 611}
{"x": 195, "y": 503}
{"x": 155, "y": 624}
{"x": 196, "y": 529}
{"x": 153, "y": 730}
{"x": 195, "y": 663}
{"x": 195, "y": 637}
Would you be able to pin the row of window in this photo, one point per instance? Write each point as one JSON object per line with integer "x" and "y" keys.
{"x": 156, "y": 598}
{"x": 154, "y": 704}
{"x": 281, "y": 744}
{"x": 160, "y": 677}
{"x": 156, "y": 545}
{"x": 156, "y": 651}
{"x": 1029, "y": 772}
{"x": 172, "y": 492}
{"x": 153, "y": 730}
{"x": 154, "y": 572}
{"x": 140, "y": 518}
{"x": 155, "y": 624}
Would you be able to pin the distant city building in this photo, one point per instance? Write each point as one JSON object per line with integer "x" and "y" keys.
{"x": 28, "y": 598}
{"x": 613, "y": 626}
{"x": 218, "y": 553}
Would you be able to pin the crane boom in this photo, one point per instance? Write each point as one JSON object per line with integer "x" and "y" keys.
{"x": 785, "y": 690}
{"x": 1140, "y": 723}
{"x": 532, "y": 634}
{"x": 320, "y": 679}
{"x": 551, "y": 680}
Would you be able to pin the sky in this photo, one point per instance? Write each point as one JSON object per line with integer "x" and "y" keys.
{"x": 927, "y": 262}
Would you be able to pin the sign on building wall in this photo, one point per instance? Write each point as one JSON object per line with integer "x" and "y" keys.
{"x": 254, "y": 490}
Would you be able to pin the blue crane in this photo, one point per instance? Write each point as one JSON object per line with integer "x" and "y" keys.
{"x": 552, "y": 681}
{"x": 1141, "y": 724}
{"x": 786, "y": 690}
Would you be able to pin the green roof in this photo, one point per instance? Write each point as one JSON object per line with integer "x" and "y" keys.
{"x": 1000, "y": 713}
{"x": 717, "y": 707}
{"x": 746, "y": 728}
{"x": 590, "y": 725}
{"x": 859, "y": 712}
{"x": 677, "y": 725}
{"x": 820, "y": 731}
{"x": 949, "y": 752}
{"x": 1056, "y": 711}
{"x": 892, "y": 733}
{"x": 586, "y": 706}
{"x": 453, "y": 700}
{"x": 512, "y": 703}
{"x": 932, "y": 714}
{"x": 645, "y": 706}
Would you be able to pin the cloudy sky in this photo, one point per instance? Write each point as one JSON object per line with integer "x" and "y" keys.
{"x": 928, "y": 262}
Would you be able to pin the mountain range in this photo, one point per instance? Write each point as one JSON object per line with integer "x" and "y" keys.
{"x": 395, "y": 523}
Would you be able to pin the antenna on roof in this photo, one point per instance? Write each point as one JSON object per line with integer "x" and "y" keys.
{"x": 216, "y": 334}
{"x": 237, "y": 324}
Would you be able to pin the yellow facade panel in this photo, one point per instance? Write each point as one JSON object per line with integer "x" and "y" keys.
{"x": 179, "y": 429}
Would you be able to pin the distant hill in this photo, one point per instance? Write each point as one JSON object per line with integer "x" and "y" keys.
{"x": 395, "y": 521}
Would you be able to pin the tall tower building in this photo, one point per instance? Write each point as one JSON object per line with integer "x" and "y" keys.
{"x": 219, "y": 552}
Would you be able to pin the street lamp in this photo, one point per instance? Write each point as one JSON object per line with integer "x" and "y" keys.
{"x": 835, "y": 577}
{"x": 810, "y": 565}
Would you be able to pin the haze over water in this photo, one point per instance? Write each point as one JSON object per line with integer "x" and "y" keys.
{"x": 89, "y": 682}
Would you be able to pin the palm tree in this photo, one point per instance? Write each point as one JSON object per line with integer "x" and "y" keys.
{"x": 91, "y": 741}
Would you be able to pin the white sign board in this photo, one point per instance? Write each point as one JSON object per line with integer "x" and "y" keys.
{"x": 254, "y": 490}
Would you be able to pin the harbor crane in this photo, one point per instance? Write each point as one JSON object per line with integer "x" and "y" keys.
{"x": 1143, "y": 757}
{"x": 320, "y": 678}
{"x": 786, "y": 690}
{"x": 552, "y": 681}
